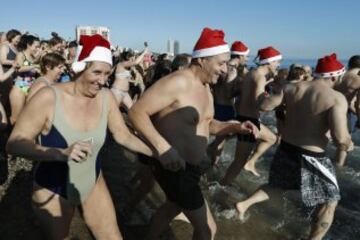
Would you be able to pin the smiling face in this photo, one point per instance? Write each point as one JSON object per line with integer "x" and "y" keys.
{"x": 95, "y": 77}
{"x": 34, "y": 48}
{"x": 55, "y": 72}
{"x": 214, "y": 67}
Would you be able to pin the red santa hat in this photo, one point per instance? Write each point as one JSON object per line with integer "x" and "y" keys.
{"x": 210, "y": 43}
{"x": 329, "y": 66}
{"x": 268, "y": 54}
{"x": 91, "y": 48}
{"x": 239, "y": 48}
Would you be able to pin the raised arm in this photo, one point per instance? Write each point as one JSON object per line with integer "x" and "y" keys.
{"x": 339, "y": 130}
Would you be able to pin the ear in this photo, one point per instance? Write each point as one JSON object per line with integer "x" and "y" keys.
{"x": 200, "y": 61}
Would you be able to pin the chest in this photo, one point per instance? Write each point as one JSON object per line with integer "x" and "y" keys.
{"x": 201, "y": 100}
{"x": 81, "y": 115}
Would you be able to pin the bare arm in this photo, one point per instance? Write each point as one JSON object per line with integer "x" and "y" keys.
{"x": 121, "y": 133}
{"x": 339, "y": 130}
{"x": 20, "y": 61}
{"x": 6, "y": 75}
{"x": 31, "y": 122}
{"x": 29, "y": 125}
{"x": 161, "y": 95}
{"x": 34, "y": 89}
{"x": 4, "y": 50}
{"x": 219, "y": 128}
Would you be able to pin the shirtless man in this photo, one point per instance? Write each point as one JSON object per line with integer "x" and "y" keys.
{"x": 224, "y": 96}
{"x": 312, "y": 109}
{"x": 251, "y": 87}
{"x": 175, "y": 115}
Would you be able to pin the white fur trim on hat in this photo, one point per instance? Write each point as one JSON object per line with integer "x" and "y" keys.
{"x": 272, "y": 59}
{"x": 330, "y": 74}
{"x": 206, "y": 52}
{"x": 101, "y": 54}
{"x": 241, "y": 53}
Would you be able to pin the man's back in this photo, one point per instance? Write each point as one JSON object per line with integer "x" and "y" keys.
{"x": 308, "y": 114}
{"x": 251, "y": 87}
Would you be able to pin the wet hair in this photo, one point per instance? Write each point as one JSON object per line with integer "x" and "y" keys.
{"x": 180, "y": 60}
{"x": 25, "y": 41}
{"x": 55, "y": 40}
{"x": 161, "y": 69}
{"x": 44, "y": 42}
{"x": 10, "y": 35}
{"x": 295, "y": 72}
{"x": 234, "y": 56}
{"x": 72, "y": 44}
{"x": 126, "y": 55}
{"x": 354, "y": 62}
{"x": 51, "y": 60}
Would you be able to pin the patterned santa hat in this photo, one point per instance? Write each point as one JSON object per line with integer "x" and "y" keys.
{"x": 210, "y": 43}
{"x": 91, "y": 48}
{"x": 329, "y": 66}
{"x": 268, "y": 54}
{"x": 239, "y": 48}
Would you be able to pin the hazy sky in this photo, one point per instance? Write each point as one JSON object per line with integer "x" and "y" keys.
{"x": 302, "y": 29}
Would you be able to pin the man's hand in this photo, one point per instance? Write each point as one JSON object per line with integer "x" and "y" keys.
{"x": 248, "y": 128}
{"x": 171, "y": 160}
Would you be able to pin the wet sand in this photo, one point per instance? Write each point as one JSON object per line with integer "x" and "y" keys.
{"x": 17, "y": 220}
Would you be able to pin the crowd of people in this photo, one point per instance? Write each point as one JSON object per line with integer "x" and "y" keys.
{"x": 60, "y": 99}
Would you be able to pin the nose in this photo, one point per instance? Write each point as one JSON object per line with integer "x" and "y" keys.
{"x": 224, "y": 69}
{"x": 103, "y": 79}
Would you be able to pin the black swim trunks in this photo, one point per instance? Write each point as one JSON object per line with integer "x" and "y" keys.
{"x": 180, "y": 187}
{"x": 292, "y": 168}
{"x": 224, "y": 112}
{"x": 247, "y": 137}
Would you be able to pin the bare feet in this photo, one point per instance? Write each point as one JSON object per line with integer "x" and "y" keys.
{"x": 251, "y": 168}
{"x": 241, "y": 210}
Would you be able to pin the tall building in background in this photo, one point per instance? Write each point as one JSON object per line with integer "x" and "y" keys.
{"x": 176, "y": 47}
{"x": 173, "y": 47}
{"x": 91, "y": 30}
{"x": 170, "y": 47}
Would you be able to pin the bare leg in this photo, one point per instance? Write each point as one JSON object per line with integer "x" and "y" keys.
{"x": 267, "y": 139}
{"x": 324, "y": 219}
{"x": 243, "y": 150}
{"x": 99, "y": 212}
{"x": 161, "y": 219}
{"x": 53, "y": 212}
{"x": 242, "y": 207}
{"x": 203, "y": 223}
{"x": 17, "y": 102}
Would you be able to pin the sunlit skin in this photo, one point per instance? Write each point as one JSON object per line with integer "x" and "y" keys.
{"x": 93, "y": 79}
